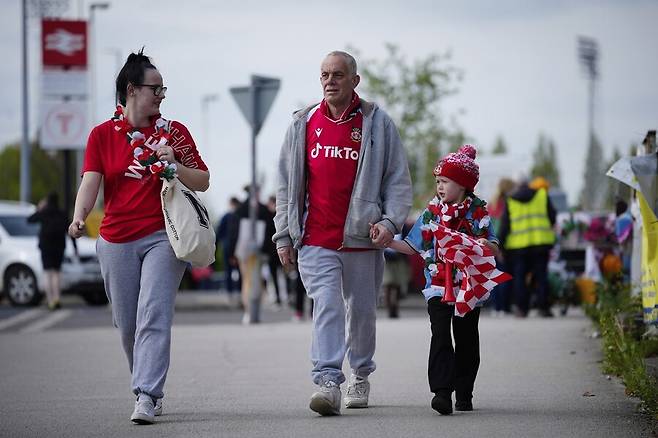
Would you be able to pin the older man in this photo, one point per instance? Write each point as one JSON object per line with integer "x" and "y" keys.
{"x": 342, "y": 169}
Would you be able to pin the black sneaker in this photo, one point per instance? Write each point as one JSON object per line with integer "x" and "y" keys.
{"x": 442, "y": 403}
{"x": 463, "y": 405}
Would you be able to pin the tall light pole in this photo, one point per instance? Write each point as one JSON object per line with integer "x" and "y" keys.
{"x": 588, "y": 53}
{"x": 592, "y": 195}
{"x": 205, "y": 102}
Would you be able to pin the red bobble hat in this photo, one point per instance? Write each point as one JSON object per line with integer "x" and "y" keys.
{"x": 460, "y": 167}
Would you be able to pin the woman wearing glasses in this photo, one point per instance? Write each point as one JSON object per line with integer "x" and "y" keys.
{"x": 131, "y": 153}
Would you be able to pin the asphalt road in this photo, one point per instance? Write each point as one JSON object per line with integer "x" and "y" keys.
{"x": 192, "y": 307}
{"x": 538, "y": 378}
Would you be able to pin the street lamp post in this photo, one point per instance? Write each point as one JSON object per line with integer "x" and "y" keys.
{"x": 205, "y": 102}
{"x": 588, "y": 53}
{"x": 592, "y": 196}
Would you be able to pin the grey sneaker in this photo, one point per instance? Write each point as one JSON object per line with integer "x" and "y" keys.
{"x": 358, "y": 391}
{"x": 144, "y": 410}
{"x": 157, "y": 410}
{"x": 326, "y": 401}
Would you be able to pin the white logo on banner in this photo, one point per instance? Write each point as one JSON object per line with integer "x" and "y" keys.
{"x": 64, "y": 42}
{"x": 343, "y": 153}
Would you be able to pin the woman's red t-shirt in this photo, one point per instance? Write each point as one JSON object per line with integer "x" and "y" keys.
{"x": 131, "y": 191}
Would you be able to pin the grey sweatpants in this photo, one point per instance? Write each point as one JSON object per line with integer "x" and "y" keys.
{"x": 141, "y": 280}
{"x": 344, "y": 286}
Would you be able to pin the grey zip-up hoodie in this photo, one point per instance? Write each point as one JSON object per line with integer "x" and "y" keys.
{"x": 382, "y": 189}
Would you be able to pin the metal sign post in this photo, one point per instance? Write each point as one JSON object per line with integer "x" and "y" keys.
{"x": 65, "y": 119}
{"x": 255, "y": 102}
{"x": 26, "y": 152}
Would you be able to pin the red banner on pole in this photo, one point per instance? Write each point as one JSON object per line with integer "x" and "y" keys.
{"x": 64, "y": 43}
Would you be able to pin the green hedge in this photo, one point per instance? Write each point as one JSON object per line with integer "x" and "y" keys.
{"x": 619, "y": 317}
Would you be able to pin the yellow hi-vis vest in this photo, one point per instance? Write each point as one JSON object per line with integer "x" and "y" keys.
{"x": 529, "y": 222}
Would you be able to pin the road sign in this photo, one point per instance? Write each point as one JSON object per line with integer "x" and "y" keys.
{"x": 64, "y": 43}
{"x": 64, "y": 124}
{"x": 57, "y": 82}
{"x": 256, "y": 100}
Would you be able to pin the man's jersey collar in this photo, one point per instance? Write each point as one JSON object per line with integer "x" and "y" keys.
{"x": 348, "y": 114}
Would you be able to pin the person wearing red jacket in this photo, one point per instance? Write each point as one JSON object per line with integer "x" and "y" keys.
{"x": 131, "y": 153}
{"x": 342, "y": 167}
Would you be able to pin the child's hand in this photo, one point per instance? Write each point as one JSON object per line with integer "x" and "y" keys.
{"x": 375, "y": 233}
{"x": 381, "y": 236}
{"x": 492, "y": 246}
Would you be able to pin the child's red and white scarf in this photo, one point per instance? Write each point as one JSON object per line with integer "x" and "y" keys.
{"x": 476, "y": 263}
{"x": 450, "y": 212}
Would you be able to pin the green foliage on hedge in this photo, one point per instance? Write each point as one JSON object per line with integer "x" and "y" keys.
{"x": 619, "y": 317}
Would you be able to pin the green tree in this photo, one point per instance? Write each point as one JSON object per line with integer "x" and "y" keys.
{"x": 46, "y": 173}
{"x": 592, "y": 195}
{"x": 500, "y": 147}
{"x": 545, "y": 162}
{"x": 412, "y": 93}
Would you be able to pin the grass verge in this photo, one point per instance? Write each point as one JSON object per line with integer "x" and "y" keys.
{"x": 619, "y": 318}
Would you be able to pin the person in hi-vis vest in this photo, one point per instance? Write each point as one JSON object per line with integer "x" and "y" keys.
{"x": 526, "y": 231}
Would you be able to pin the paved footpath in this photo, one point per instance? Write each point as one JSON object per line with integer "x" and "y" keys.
{"x": 253, "y": 381}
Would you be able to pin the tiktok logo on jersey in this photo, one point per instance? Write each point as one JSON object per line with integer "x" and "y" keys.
{"x": 338, "y": 152}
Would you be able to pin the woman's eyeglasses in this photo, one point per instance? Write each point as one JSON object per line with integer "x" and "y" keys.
{"x": 158, "y": 90}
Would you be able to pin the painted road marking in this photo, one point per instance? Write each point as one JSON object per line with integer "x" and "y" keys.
{"x": 19, "y": 318}
{"x": 47, "y": 322}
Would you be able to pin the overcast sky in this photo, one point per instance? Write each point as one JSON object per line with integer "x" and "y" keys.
{"x": 522, "y": 75}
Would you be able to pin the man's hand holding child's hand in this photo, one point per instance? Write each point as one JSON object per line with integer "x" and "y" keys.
{"x": 380, "y": 236}
{"x": 373, "y": 231}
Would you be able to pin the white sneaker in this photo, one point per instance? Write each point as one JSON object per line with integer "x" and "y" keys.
{"x": 358, "y": 391}
{"x": 144, "y": 410}
{"x": 327, "y": 400}
{"x": 157, "y": 410}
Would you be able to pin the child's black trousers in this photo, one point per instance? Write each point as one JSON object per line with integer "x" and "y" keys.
{"x": 453, "y": 369}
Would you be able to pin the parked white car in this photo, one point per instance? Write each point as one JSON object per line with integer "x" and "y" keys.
{"x": 21, "y": 273}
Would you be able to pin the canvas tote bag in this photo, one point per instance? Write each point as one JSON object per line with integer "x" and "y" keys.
{"x": 188, "y": 225}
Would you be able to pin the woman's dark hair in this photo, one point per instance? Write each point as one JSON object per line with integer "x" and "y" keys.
{"x": 132, "y": 72}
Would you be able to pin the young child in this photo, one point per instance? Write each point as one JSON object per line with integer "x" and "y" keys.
{"x": 451, "y": 369}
